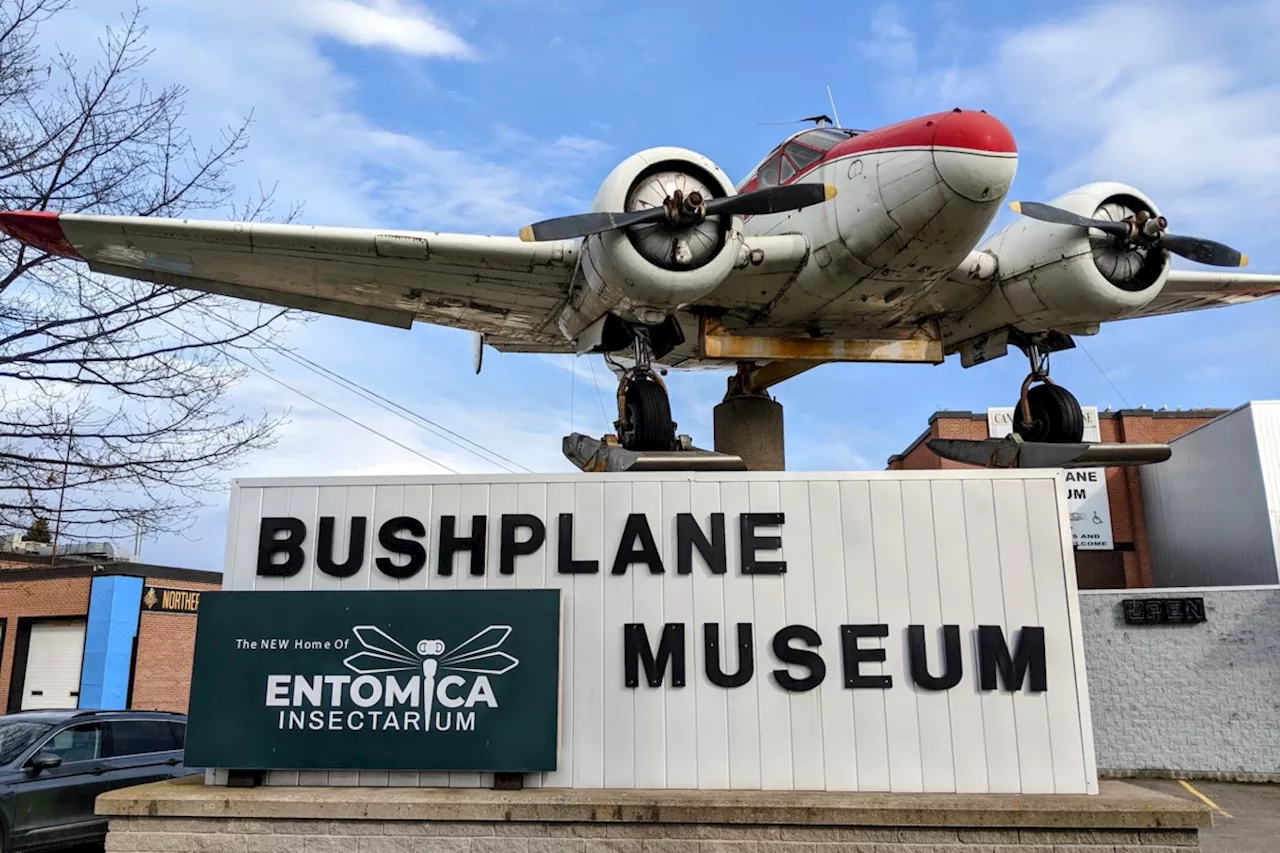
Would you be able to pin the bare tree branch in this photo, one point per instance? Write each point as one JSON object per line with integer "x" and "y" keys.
{"x": 115, "y": 395}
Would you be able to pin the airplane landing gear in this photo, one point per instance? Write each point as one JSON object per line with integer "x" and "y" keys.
{"x": 1046, "y": 413}
{"x": 644, "y": 411}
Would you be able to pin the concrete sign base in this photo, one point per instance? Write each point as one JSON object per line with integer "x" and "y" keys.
{"x": 188, "y": 816}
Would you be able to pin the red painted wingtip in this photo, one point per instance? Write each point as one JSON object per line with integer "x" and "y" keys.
{"x": 38, "y": 229}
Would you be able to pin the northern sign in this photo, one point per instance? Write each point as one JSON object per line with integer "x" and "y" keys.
{"x": 415, "y": 680}
{"x": 877, "y": 631}
{"x": 167, "y": 599}
{"x": 1088, "y": 503}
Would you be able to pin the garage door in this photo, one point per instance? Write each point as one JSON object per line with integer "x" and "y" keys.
{"x": 53, "y": 665}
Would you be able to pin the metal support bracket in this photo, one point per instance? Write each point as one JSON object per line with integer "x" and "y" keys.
{"x": 751, "y": 380}
{"x": 1013, "y": 452}
{"x": 717, "y": 342}
{"x": 606, "y": 456}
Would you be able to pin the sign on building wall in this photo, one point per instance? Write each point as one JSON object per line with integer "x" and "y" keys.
{"x": 1164, "y": 611}
{"x": 879, "y": 631}
{"x": 1000, "y": 423}
{"x": 1088, "y": 503}
{"x": 165, "y": 599}
{"x": 413, "y": 680}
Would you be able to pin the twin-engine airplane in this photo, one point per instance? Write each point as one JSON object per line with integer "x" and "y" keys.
{"x": 840, "y": 245}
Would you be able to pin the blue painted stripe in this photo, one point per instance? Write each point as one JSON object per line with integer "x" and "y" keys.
{"x": 115, "y": 603}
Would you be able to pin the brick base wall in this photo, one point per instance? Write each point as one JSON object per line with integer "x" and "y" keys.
{"x": 36, "y": 599}
{"x": 232, "y": 835}
{"x": 166, "y": 646}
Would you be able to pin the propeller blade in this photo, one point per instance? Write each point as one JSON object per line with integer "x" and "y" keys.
{"x": 1058, "y": 216}
{"x": 1204, "y": 251}
{"x": 1193, "y": 248}
{"x": 772, "y": 200}
{"x": 586, "y": 224}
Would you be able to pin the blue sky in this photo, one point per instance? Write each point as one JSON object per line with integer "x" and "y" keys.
{"x": 500, "y": 112}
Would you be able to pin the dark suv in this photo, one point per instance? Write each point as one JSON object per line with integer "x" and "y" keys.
{"x": 54, "y": 764}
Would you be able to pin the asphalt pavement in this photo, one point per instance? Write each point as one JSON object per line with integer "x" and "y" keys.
{"x": 1246, "y": 818}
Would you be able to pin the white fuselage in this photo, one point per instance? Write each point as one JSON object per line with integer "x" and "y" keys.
{"x": 904, "y": 218}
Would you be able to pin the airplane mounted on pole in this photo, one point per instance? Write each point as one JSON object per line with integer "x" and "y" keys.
{"x": 840, "y": 245}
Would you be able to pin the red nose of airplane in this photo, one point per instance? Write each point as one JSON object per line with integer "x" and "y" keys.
{"x": 974, "y": 130}
{"x": 975, "y": 155}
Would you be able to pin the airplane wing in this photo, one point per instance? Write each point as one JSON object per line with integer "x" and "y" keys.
{"x": 503, "y": 287}
{"x": 509, "y": 290}
{"x": 1195, "y": 291}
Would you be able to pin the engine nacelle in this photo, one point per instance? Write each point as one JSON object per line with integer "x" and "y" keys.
{"x": 643, "y": 273}
{"x": 1060, "y": 277}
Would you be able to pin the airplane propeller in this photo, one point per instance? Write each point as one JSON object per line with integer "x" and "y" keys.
{"x": 1143, "y": 230}
{"x": 681, "y": 212}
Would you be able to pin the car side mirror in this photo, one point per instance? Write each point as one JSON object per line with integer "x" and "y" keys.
{"x": 45, "y": 761}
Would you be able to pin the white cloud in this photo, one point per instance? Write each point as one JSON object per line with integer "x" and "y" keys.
{"x": 374, "y": 440}
{"x": 589, "y": 370}
{"x": 1171, "y": 111}
{"x": 316, "y": 443}
{"x": 891, "y": 42}
{"x": 580, "y": 145}
{"x": 1179, "y": 100}
{"x": 400, "y": 26}
{"x": 315, "y": 136}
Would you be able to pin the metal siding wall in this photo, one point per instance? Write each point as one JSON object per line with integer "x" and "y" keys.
{"x": 1206, "y": 508}
{"x": 899, "y": 548}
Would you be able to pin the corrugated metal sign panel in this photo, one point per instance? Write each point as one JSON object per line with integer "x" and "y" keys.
{"x": 883, "y": 548}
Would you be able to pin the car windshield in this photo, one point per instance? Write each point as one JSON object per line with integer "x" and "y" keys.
{"x": 18, "y": 735}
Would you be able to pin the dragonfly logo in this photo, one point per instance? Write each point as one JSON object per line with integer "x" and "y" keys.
{"x": 436, "y": 688}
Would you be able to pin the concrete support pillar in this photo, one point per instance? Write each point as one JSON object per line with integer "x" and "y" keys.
{"x": 751, "y": 428}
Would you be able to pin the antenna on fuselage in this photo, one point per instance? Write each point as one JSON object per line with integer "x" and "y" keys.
{"x": 832, "y": 99}
{"x": 821, "y": 121}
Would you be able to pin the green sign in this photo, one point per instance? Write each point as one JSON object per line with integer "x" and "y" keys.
{"x": 376, "y": 680}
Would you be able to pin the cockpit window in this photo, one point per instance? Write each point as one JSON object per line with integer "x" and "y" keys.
{"x": 788, "y": 171}
{"x": 802, "y": 155}
{"x": 824, "y": 138}
{"x": 804, "y": 150}
{"x": 769, "y": 171}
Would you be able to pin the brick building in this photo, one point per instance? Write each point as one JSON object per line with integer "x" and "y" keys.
{"x": 105, "y": 635}
{"x": 1128, "y": 562}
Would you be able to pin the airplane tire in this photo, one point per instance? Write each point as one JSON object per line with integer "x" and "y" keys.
{"x": 649, "y": 416}
{"x": 1056, "y": 416}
